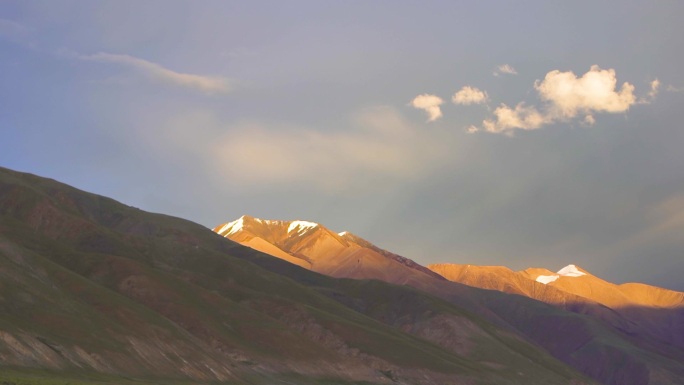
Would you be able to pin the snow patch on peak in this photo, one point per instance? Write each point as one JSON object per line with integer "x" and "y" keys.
{"x": 570, "y": 271}
{"x": 567, "y": 271}
{"x": 546, "y": 279}
{"x": 232, "y": 227}
{"x": 301, "y": 226}
{"x": 342, "y": 234}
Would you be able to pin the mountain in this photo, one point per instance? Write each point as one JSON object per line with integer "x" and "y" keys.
{"x": 96, "y": 292}
{"x": 613, "y": 347}
{"x": 314, "y": 247}
{"x": 571, "y": 280}
{"x": 651, "y": 312}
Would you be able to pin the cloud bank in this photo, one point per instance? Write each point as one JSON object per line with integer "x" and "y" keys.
{"x": 430, "y": 104}
{"x": 379, "y": 143}
{"x": 377, "y": 147}
{"x": 203, "y": 83}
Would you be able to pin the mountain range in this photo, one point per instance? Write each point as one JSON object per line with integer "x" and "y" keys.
{"x": 93, "y": 291}
{"x": 96, "y": 292}
{"x": 616, "y": 334}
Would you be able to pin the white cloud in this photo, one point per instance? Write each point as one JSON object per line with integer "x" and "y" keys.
{"x": 508, "y": 119}
{"x": 472, "y": 129}
{"x": 567, "y": 96}
{"x": 207, "y": 84}
{"x": 469, "y": 95}
{"x": 596, "y": 90}
{"x": 589, "y": 120}
{"x": 429, "y": 103}
{"x": 652, "y": 93}
{"x": 505, "y": 69}
{"x": 655, "y": 87}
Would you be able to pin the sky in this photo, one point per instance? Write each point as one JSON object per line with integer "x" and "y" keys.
{"x": 527, "y": 133}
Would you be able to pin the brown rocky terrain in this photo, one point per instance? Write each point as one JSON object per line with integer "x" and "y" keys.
{"x": 96, "y": 292}
{"x": 636, "y": 309}
{"x": 625, "y": 347}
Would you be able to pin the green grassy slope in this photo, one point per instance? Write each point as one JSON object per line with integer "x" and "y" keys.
{"x": 97, "y": 292}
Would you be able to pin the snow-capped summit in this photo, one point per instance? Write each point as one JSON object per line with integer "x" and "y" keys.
{"x": 313, "y": 246}
{"x": 570, "y": 271}
{"x": 231, "y": 227}
{"x": 247, "y": 223}
{"x": 546, "y": 279}
{"x": 301, "y": 227}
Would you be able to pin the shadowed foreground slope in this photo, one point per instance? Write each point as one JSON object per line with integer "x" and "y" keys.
{"x": 93, "y": 291}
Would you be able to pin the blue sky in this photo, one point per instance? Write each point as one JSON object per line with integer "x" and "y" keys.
{"x": 522, "y": 134}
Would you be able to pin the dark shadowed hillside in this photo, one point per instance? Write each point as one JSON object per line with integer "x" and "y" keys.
{"x": 93, "y": 291}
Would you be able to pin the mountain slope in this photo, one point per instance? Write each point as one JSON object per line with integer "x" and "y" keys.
{"x": 94, "y": 291}
{"x": 315, "y": 247}
{"x": 639, "y": 310}
{"x": 607, "y": 352}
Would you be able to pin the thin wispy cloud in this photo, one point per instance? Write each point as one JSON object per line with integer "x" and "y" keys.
{"x": 16, "y": 32}
{"x": 589, "y": 120}
{"x": 11, "y": 28}
{"x": 469, "y": 95}
{"x": 650, "y": 97}
{"x": 377, "y": 143}
{"x": 203, "y": 83}
{"x": 505, "y": 69}
{"x": 655, "y": 88}
{"x": 430, "y": 104}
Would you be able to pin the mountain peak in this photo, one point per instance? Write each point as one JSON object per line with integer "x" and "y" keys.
{"x": 300, "y": 227}
{"x": 568, "y": 271}
{"x": 324, "y": 251}
{"x": 233, "y": 227}
{"x": 571, "y": 271}
{"x": 247, "y": 222}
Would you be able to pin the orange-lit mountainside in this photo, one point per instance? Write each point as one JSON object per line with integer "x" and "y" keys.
{"x": 96, "y": 292}
{"x": 635, "y": 308}
{"x": 630, "y": 334}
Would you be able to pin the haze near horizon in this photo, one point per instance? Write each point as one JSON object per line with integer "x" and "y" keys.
{"x": 520, "y": 134}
